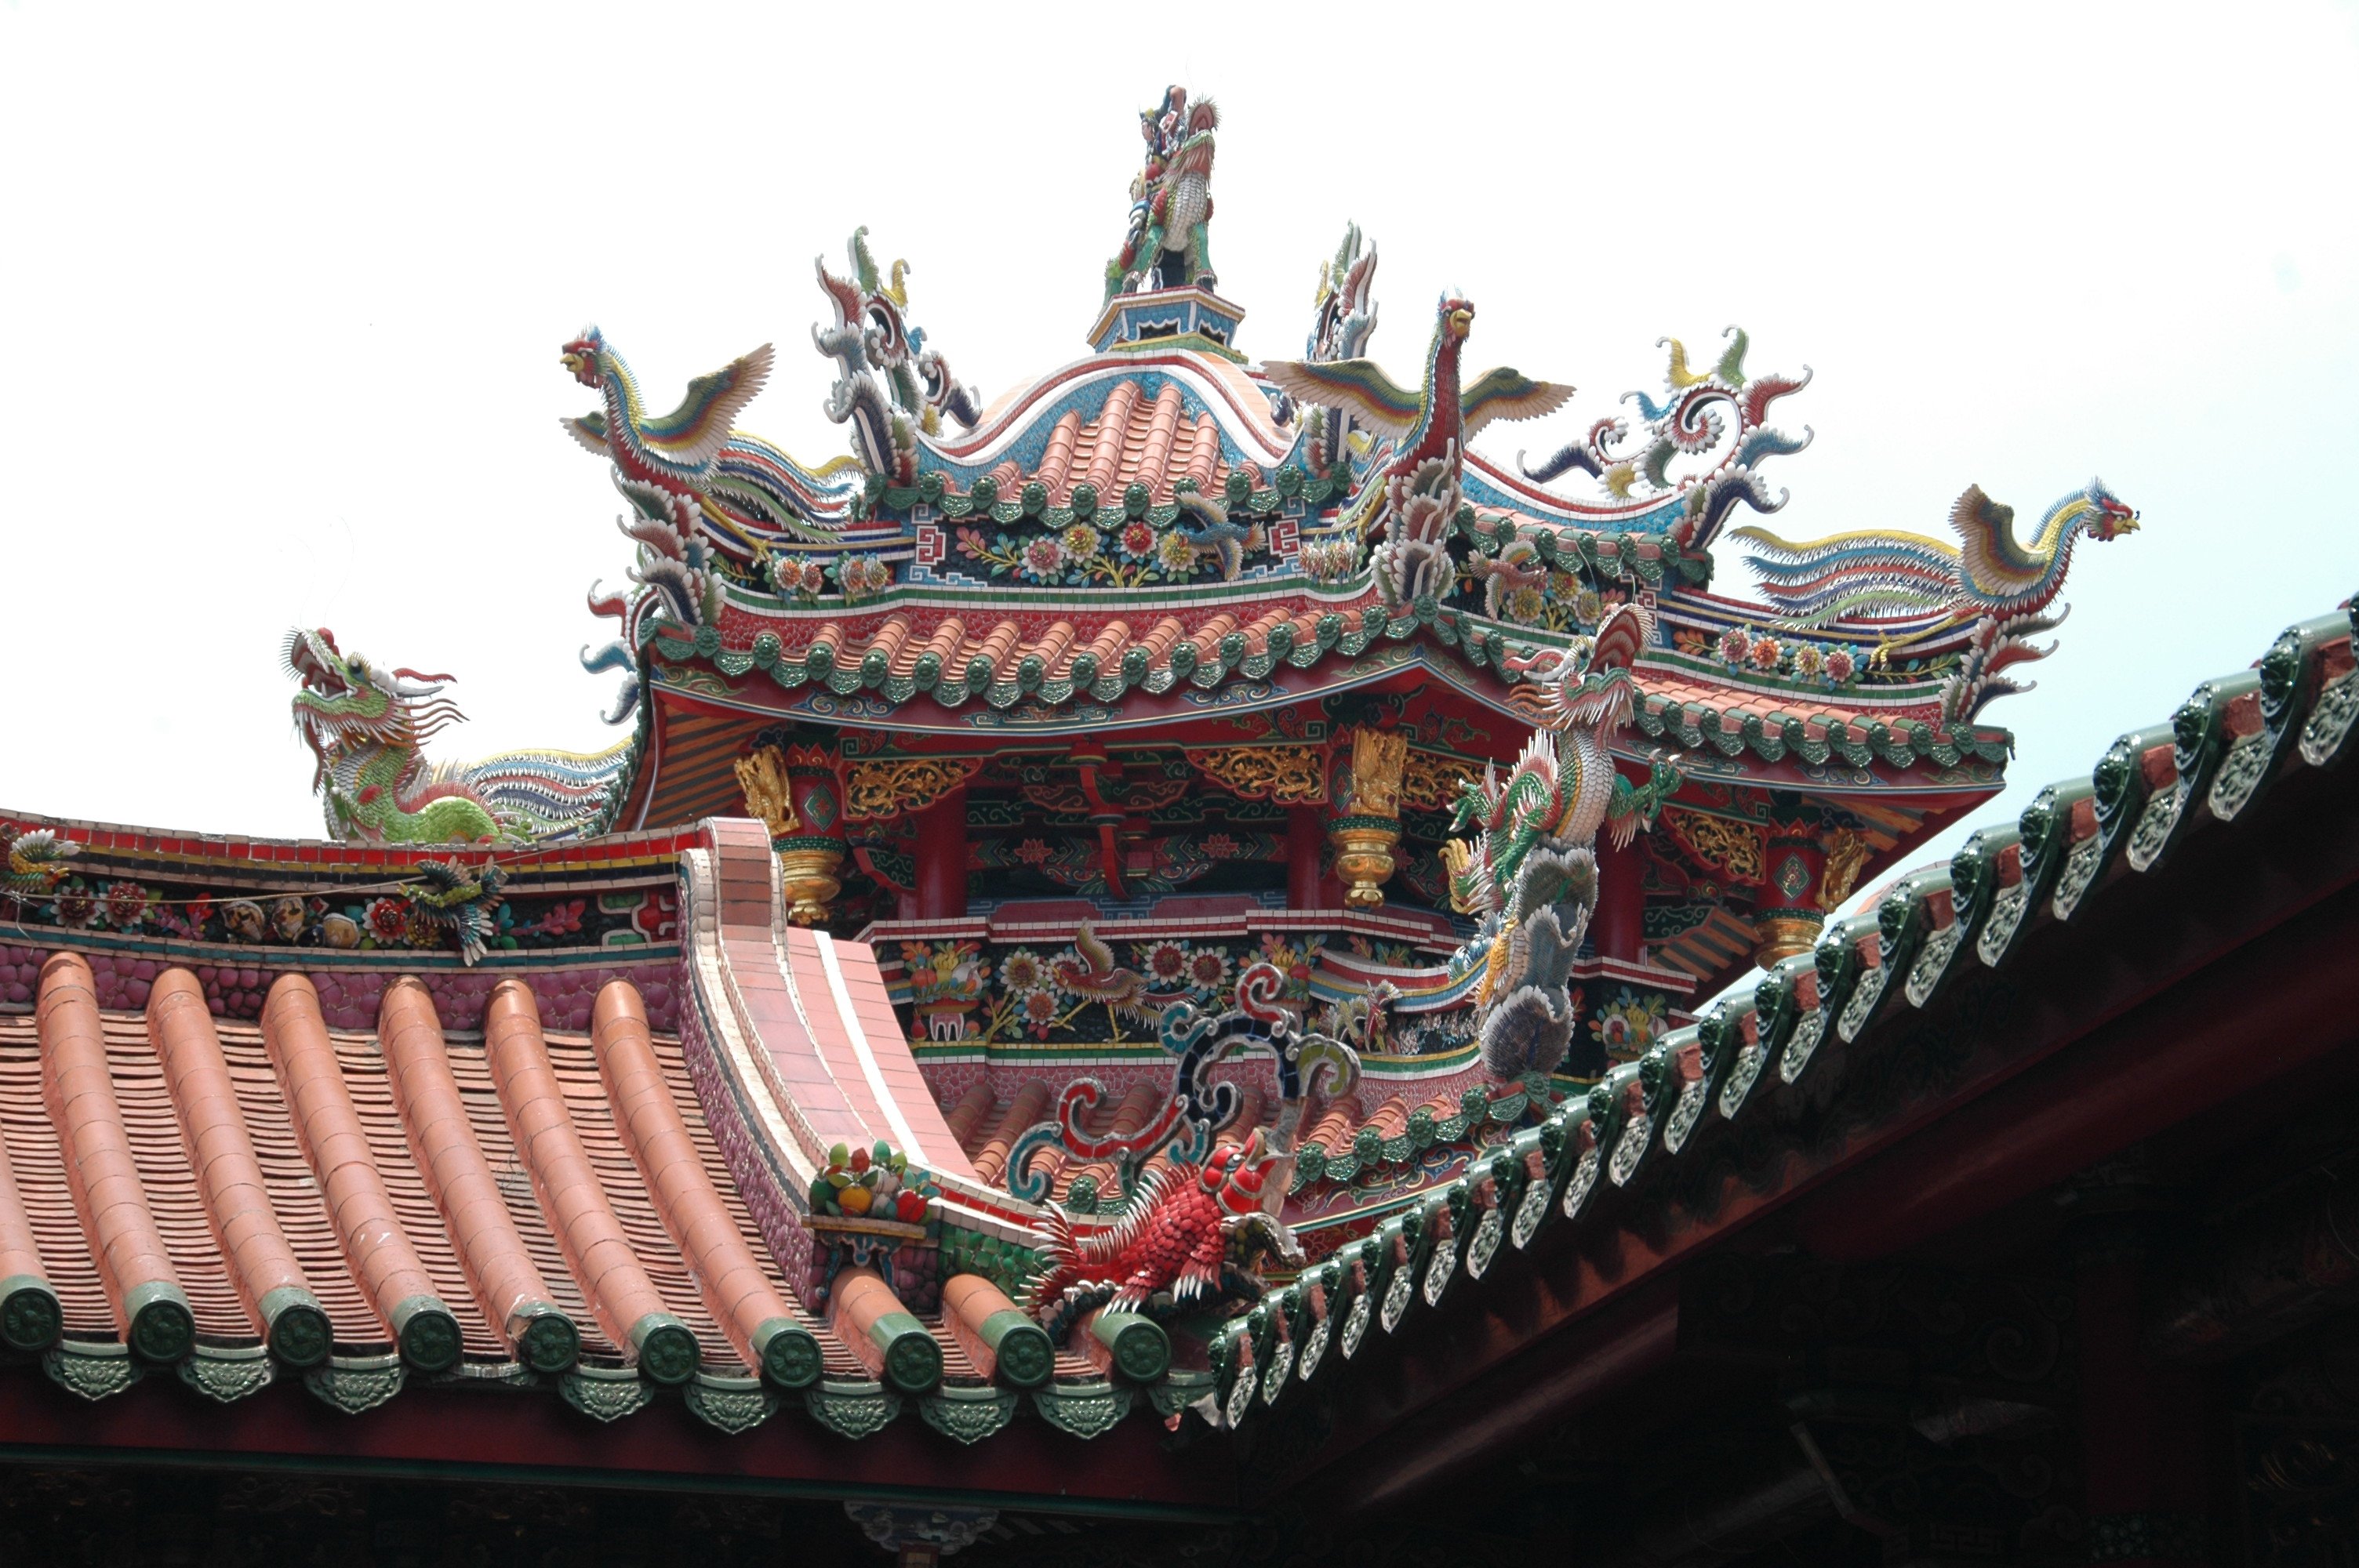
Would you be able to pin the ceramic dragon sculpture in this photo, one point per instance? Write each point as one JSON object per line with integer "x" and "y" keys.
{"x": 891, "y": 386}
{"x": 367, "y": 728}
{"x": 1193, "y": 1231}
{"x": 1413, "y": 497}
{"x": 2003, "y": 587}
{"x": 1532, "y": 872}
{"x": 1171, "y": 197}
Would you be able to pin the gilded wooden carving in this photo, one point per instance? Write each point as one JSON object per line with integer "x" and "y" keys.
{"x": 1377, "y": 758}
{"x": 893, "y": 786}
{"x": 1288, "y": 775}
{"x": 1430, "y": 780}
{"x": 1736, "y": 850}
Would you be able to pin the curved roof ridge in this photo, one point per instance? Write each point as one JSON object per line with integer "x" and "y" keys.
{"x": 1234, "y": 398}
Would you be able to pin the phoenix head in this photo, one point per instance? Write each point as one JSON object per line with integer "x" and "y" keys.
{"x": 580, "y": 356}
{"x": 2109, "y": 516}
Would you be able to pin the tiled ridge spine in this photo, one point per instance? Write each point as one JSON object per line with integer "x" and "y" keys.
{"x": 499, "y": 1267}
{"x": 296, "y": 1034}
{"x": 133, "y": 1265}
{"x": 263, "y": 1266}
{"x": 31, "y": 1318}
{"x": 742, "y": 1299}
{"x": 626, "y": 1301}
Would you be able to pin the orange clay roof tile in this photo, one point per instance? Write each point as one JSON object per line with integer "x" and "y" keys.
{"x": 312, "y": 1142}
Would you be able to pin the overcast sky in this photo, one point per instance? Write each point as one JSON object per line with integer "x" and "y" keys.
{"x": 281, "y": 296}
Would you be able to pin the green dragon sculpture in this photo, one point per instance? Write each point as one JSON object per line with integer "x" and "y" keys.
{"x": 367, "y": 728}
{"x": 1532, "y": 873}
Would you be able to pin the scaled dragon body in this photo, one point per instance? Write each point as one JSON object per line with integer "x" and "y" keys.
{"x": 367, "y": 728}
{"x": 1191, "y": 1233}
{"x": 2003, "y": 586}
{"x": 1532, "y": 873}
{"x": 1413, "y": 498}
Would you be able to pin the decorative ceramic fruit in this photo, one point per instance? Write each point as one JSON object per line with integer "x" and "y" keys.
{"x": 856, "y": 1200}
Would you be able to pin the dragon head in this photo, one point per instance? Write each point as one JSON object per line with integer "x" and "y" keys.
{"x": 2109, "y": 516}
{"x": 1257, "y": 1237}
{"x": 1600, "y": 692}
{"x": 582, "y": 355}
{"x": 1238, "y": 1178}
{"x": 345, "y": 701}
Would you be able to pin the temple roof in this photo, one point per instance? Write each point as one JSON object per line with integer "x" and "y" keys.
{"x": 177, "y": 1138}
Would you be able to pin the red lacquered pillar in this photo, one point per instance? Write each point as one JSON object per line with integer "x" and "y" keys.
{"x": 942, "y": 858}
{"x": 1618, "y": 929}
{"x": 1306, "y": 842}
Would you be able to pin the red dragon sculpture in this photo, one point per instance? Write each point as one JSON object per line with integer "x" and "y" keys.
{"x": 1192, "y": 1231}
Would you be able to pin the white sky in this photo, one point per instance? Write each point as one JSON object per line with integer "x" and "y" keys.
{"x": 281, "y": 296}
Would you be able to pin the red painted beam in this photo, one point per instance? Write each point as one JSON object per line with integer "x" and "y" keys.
{"x": 1614, "y": 1351}
{"x": 2276, "y": 1005}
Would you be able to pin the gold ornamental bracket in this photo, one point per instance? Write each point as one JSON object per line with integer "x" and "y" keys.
{"x": 795, "y": 792}
{"x": 1285, "y": 776}
{"x": 1378, "y": 759}
{"x": 1847, "y": 853}
{"x": 878, "y": 790}
{"x": 1364, "y": 798}
{"x": 762, "y": 778}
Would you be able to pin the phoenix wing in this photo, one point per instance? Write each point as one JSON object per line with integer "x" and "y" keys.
{"x": 1379, "y": 402}
{"x": 696, "y": 430}
{"x": 589, "y": 430}
{"x": 1504, "y": 394}
{"x": 1990, "y": 564}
